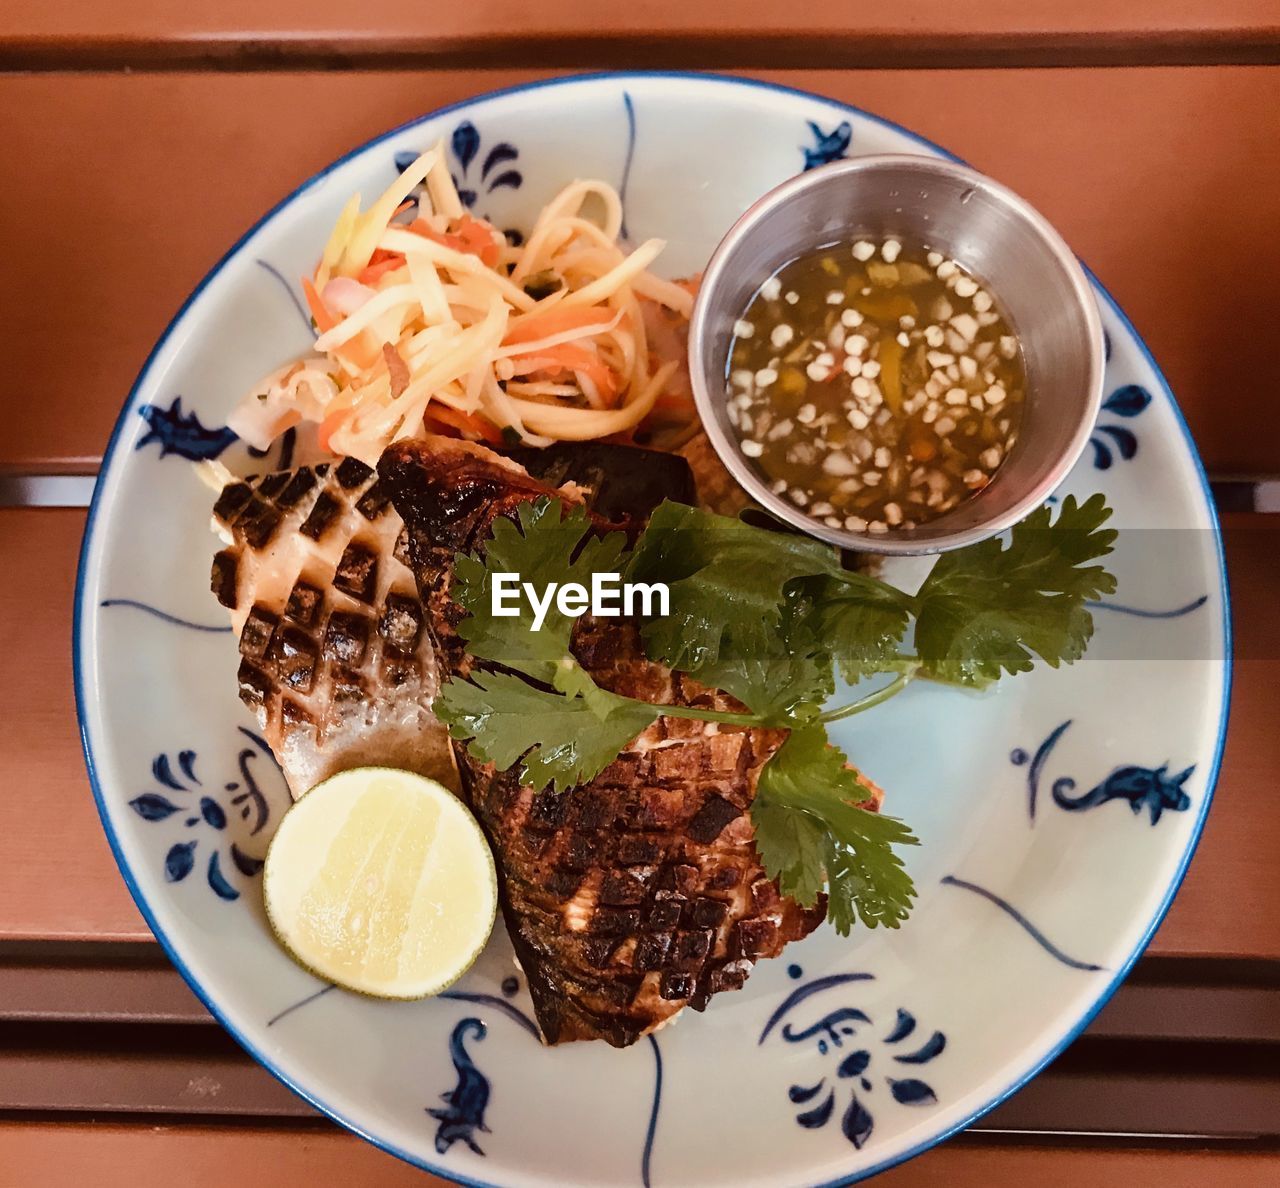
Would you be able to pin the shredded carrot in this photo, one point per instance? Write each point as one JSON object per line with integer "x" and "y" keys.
{"x": 470, "y": 236}
{"x": 464, "y": 422}
{"x": 606, "y": 381}
{"x": 479, "y": 239}
{"x": 572, "y": 342}
{"x": 330, "y": 425}
{"x": 569, "y": 356}
{"x": 531, "y": 327}
{"x": 288, "y": 421}
{"x": 444, "y": 238}
{"x": 325, "y": 321}
{"x": 377, "y": 269}
{"x": 357, "y": 351}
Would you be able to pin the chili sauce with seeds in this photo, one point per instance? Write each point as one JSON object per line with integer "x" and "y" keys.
{"x": 875, "y": 384}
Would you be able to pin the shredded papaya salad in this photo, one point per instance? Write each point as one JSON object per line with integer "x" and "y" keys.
{"x": 429, "y": 320}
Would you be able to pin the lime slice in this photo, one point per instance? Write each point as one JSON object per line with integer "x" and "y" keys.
{"x": 381, "y": 881}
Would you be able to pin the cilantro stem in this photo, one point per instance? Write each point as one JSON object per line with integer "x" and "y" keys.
{"x": 910, "y": 667}
{"x": 908, "y": 662}
{"x": 871, "y": 700}
{"x": 853, "y": 577}
{"x": 702, "y": 715}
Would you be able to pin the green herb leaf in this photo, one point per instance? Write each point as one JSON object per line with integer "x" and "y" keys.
{"x": 807, "y": 822}
{"x": 784, "y": 678}
{"x": 861, "y": 625}
{"x": 727, "y": 581}
{"x": 544, "y": 547}
{"x": 790, "y": 843}
{"x": 760, "y": 615}
{"x": 563, "y": 741}
{"x": 866, "y": 881}
{"x": 984, "y": 610}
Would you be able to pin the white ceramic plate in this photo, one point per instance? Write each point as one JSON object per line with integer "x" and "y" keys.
{"x": 1057, "y": 814}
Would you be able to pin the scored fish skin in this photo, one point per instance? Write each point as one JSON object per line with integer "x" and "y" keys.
{"x": 334, "y": 661}
{"x": 334, "y": 658}
{"x": 640, "y": 892}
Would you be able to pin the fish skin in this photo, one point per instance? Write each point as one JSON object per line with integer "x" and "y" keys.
{"x": 335, "y": 663}
{"x": 329, "y": 688}
{"x": 641, "y": 892}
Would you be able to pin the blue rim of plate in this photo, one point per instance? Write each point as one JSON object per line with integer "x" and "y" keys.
{"x": 727, "y": 80}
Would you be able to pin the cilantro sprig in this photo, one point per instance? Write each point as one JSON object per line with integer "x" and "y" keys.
{"x": 984, "y": 610}
{"x": 981, "y": 612}
{"x": 768, "y": 617}
{"x": 560, "y": 740}
{"x": 809, "y": 831}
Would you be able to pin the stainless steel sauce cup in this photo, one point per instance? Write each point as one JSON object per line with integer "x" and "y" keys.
{"x": 1008, "y": 246}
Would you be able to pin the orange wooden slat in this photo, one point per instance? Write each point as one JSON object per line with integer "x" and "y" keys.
{"x": 68, "y": 1155}
{"x": 441, "y": 28}
{"x": 1165, "y": 180}
{"x": 1233, "y": 877}
{"x": 1228, "y": 903}
{"x": 57, "y": 876}
{"x": 57, "y": 879}
{"x": 973, "y": 1166}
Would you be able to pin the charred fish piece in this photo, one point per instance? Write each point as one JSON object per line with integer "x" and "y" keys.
{"x": 621, "y": 482}
{"x": 334, "y": 658}
{"x": 640, "y": 892}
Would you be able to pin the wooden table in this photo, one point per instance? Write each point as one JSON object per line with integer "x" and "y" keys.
{"x": 140, "y": 138}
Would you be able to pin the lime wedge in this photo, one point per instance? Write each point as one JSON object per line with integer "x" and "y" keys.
{"x": 381, "y": 881}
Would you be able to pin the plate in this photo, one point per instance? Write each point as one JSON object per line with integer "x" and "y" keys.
{"x": 1057, "y": 814}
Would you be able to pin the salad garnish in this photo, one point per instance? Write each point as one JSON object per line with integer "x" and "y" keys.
{"x": 429, "y": 318}
{"x": 769, "y": 617}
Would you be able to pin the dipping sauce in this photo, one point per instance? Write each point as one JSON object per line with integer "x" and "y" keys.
{"x": 875, "y": 384}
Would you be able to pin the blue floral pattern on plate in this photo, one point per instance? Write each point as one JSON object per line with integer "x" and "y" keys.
{"x": 827, "y": 146}
{"x": 870, "y": 1060}
{"x": 465, "y": 1104}
{"x": 211, "y": 814}
{"x": 1128, "y": 401}
{"x": 165, "y": 617}
{"x": 496, "y": 172}
{"x": 1152, "y": 788}
{"x": 1036, "y": 934}
{"x": 182, "y": 433}
{"x": 463, "y": 1112}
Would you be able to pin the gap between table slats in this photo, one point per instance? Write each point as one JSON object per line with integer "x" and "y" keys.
{"x": 1103, "y": 1084}
{"x": 669, "y": 49}
{"x": 271, "y": 34}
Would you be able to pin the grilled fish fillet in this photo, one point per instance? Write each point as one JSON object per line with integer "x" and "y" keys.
{"x": 640, "y": 892}
{"x": 334, "y": 658}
